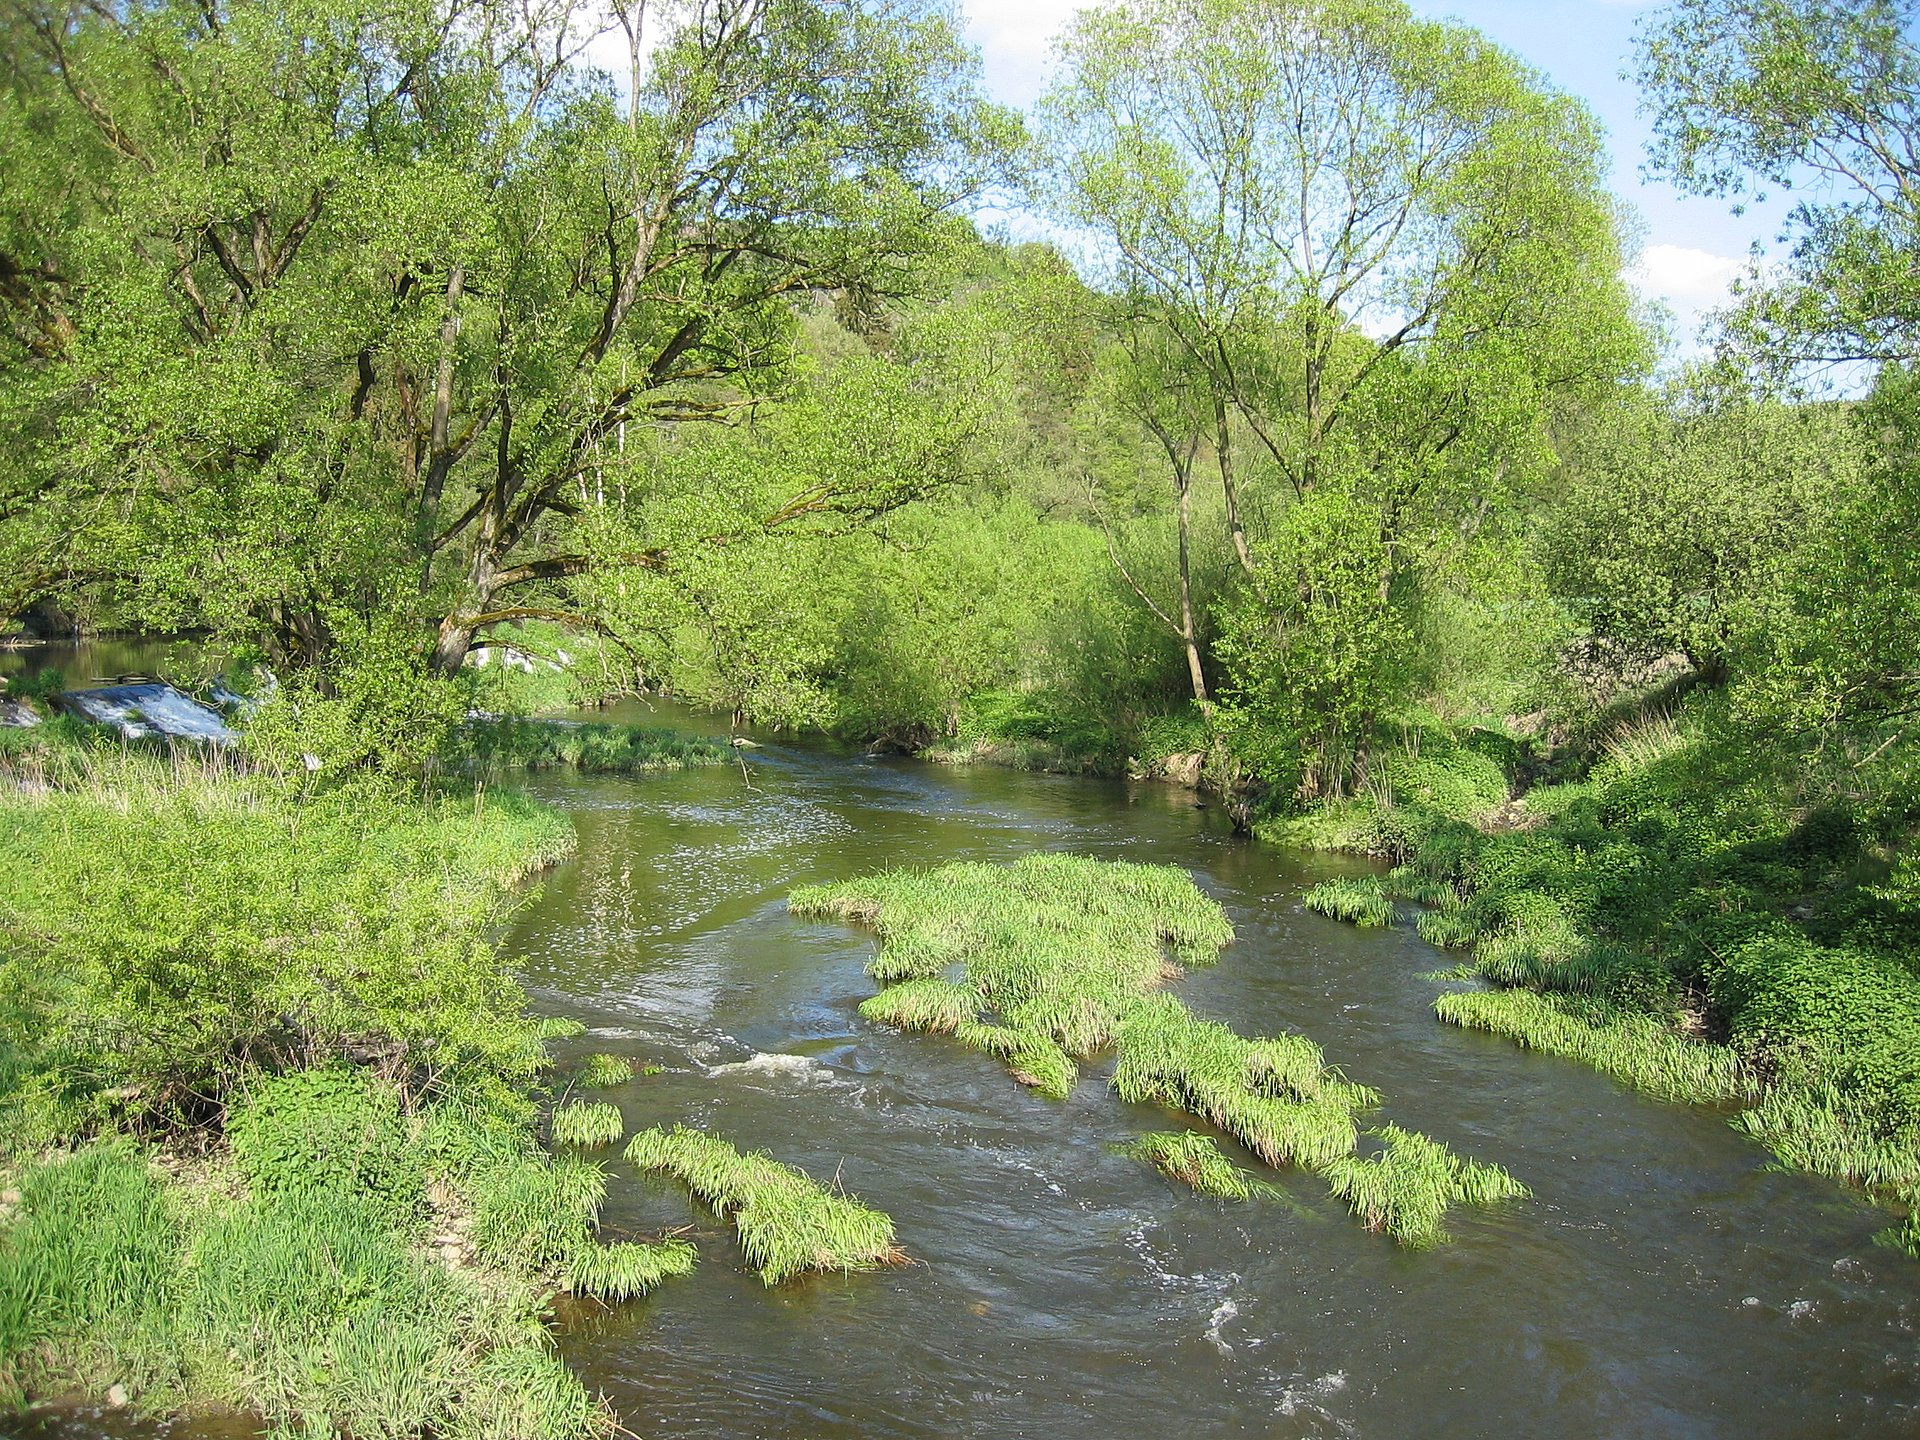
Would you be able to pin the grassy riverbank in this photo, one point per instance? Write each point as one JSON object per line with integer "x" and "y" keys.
{"x": 268, "y": 1105}
{"x": 1705, "y": 913}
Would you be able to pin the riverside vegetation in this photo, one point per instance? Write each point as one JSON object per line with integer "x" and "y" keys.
{"x": 1060, "y": 958}
{"x": 361, "y": 339}
{"x": 268, "y": 1100}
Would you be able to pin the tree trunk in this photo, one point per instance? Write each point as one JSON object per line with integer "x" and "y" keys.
{"x": 1187, "y": 636}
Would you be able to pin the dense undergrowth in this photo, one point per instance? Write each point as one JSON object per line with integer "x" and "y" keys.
{"x": 1704, "y": 913}
{"x": 1056, "y": 959}
{"x": 526, "y": 744}
{"x": 268, "y": 1104}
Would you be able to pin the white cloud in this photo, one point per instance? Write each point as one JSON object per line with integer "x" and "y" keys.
{"x": 1016, "y": 42}
{"x": 1691, "y": 281}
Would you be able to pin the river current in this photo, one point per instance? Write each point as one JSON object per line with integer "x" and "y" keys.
{"x": 1664, "y": 1281}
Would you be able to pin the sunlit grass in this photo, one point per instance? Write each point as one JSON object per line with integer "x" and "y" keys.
{"x": 1628, "y": 1045}
{"x": 603, "y": 1072}
{"x": 1362, "y": 902}
{"x": 626, "y": 1270}
{"x": 1408, "y": 1187}
{"x": 1196, "y": 1160}
{"x": 788, "y": 1223}
{"x": 588, "y": 1125}
{"x": 1050, "y": 952}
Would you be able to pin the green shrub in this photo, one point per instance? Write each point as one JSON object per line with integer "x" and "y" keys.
{"x": 330, "y": 1131}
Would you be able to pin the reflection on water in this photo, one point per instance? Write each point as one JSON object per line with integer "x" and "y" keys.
{"x": 1665, "y": 1282}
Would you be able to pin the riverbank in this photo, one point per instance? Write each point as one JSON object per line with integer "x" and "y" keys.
{"x": 1705, "y": 914}
{"x": 267, "y": 1095}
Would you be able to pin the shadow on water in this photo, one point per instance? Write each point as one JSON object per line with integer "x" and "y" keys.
{"x": 1664, "y": 1282}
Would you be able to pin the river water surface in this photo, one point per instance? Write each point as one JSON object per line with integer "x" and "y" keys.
{"x": 1663, "y": 1282}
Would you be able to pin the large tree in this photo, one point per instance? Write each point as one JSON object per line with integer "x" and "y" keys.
{"x": 324, "y": 309}
{"x": 1383, "y": 248}
{"x": 1821, "y": 99}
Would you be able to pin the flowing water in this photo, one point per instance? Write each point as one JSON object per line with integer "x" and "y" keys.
{"x": 1663, "y": 1282}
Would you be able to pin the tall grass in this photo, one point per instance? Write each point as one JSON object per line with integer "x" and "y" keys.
{"x": 1300, "y": 1115}
{"x": 1407, "y": 1188}
{"x": 1630, "y": 1046}
{"x": 1362, "y": 902}
{"x": 787, "y": 1222}
{"x": 1196, "y": 1160}
{"x": 603, "y": 1072}
{"x": 588, "y": 1126}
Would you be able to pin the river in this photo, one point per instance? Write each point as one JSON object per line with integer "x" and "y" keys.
{"x": 1664, "y": 1281}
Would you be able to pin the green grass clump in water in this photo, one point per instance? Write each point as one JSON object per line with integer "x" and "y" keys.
{"x": 1052, "y": 951}
{"x": 788, "y": 1223}
{"x": 1285, "y": 1115}
{"x": 1057, "y": 958}
{"x": 1361, "y": 902}
{"x": 1630, "y": 1046}
{"x": 625, "y": 1270}
{"x": 603, "y": 1072}
{"x": 595, "y": 748}
{"x": 1407, "y": 1188}
{"x": 589, "y": 1125}
{"x": 1195, "y": 1159}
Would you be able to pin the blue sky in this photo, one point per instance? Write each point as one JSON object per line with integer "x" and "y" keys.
{"x": 1692, "y": 247}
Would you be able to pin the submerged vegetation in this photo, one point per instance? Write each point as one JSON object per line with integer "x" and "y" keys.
{"x": 1196, "y": 1160}
{"x": 788, "y": 1223}
{"x": 1058, "y": 958}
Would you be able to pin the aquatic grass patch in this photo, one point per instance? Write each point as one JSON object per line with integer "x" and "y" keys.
{"x": 788, "y": 1223}
{"x": 593, "y": 747}
{"x": 1196, "y": 1160}
{"x": 601, "y": 1071}
{"x": 532, "y": 1212}
{"x": 627, "y": 1269}
{"x": 1629, "y": 1045}
{"x": 586, "y": 1125}
{"x": 1830, "y": 1131}
{"x": 1296, "y": 1116}
{"x": 1362, "y": 902}
{"x": 1051, "y": 952}
{"x": 1407, "y": 1188}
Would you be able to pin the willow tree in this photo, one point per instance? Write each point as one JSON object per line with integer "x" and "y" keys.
{"x": 1384, "y": 245}
{"x": 360, "y": 306}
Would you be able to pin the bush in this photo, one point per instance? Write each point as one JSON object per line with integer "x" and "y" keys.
{"x": 326, "y": 1132}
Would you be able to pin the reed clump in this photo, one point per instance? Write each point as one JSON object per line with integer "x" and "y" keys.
{"x": 1363, "y": 902}
{"x": 1051, "y": 952}
{"x": 1629, "y": 1045}
{"x": 586, "y": 1125}
{"x": 1406, "y": 1190}
{"x": 603, "y": 1072}
{"x": 788, "y": 1223}
{"x": 1196, "y": 1160}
